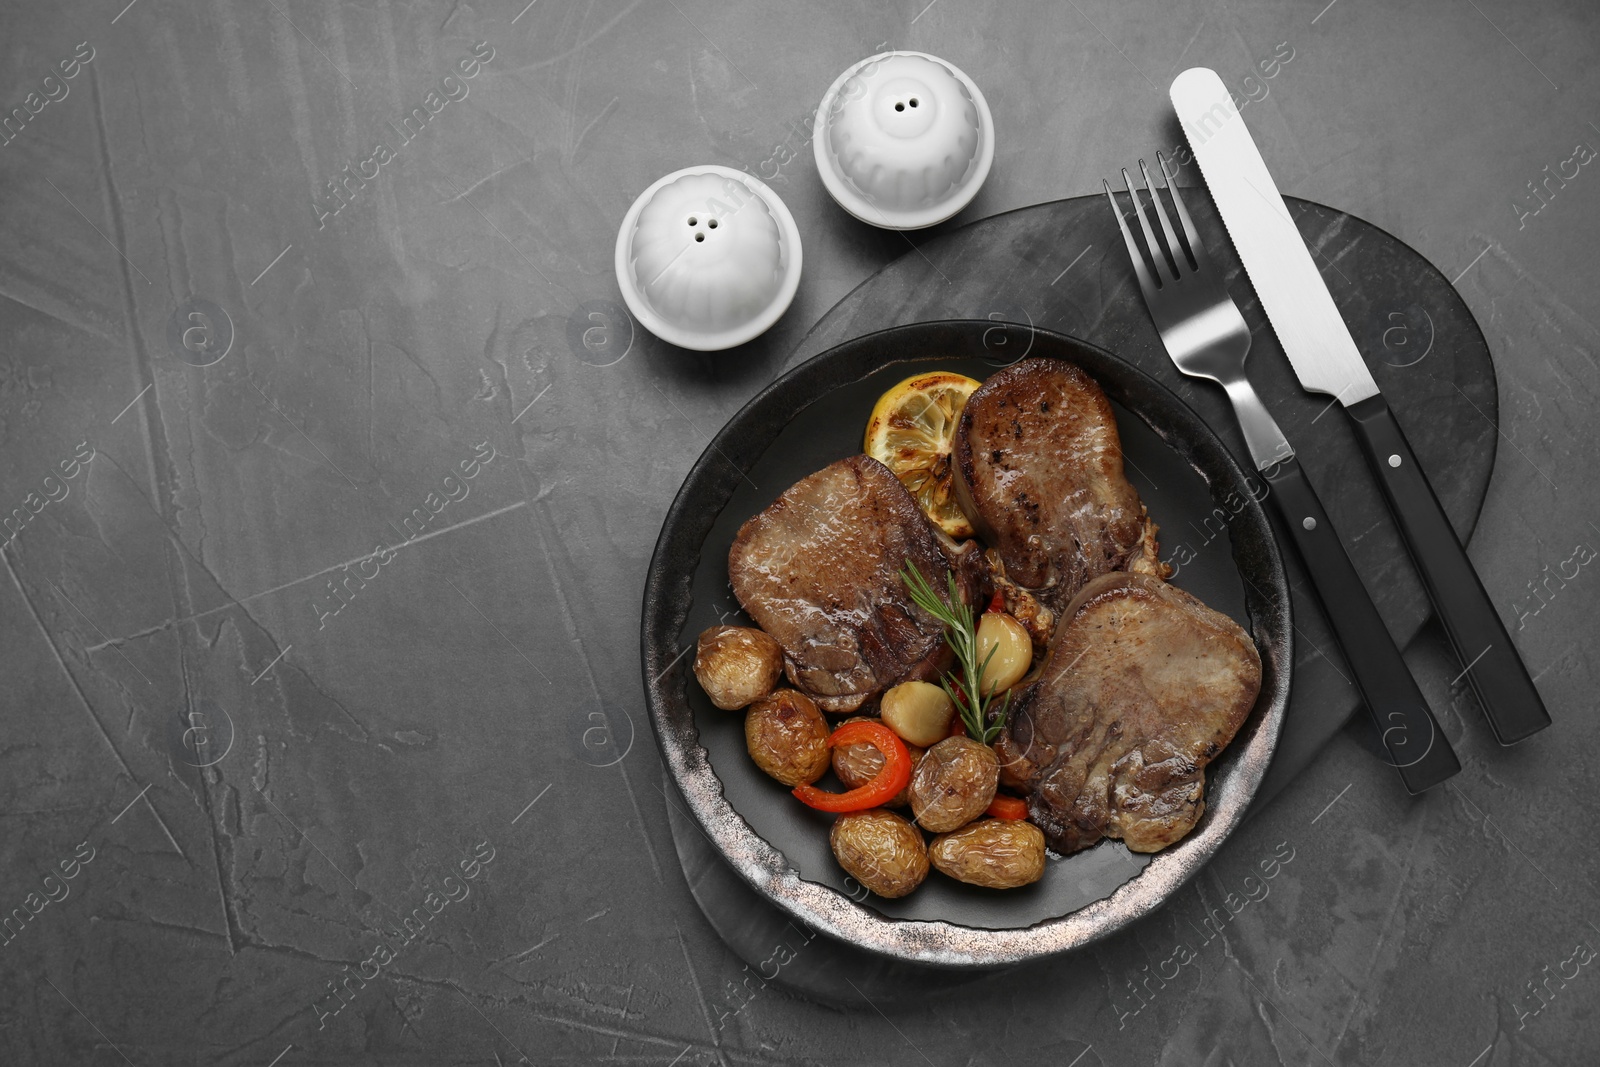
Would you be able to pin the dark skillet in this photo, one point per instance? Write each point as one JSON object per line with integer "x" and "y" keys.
{"x": 815, "y": 414}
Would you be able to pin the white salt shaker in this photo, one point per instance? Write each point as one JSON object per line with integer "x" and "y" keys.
{"x": 903, "y": 140}
{"x": 708, "y": 258}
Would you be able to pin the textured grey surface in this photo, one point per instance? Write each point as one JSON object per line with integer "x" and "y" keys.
{"x": 492, "y": 662}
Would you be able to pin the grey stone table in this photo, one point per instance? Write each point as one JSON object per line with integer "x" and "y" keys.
{"x": 323, "y": 740}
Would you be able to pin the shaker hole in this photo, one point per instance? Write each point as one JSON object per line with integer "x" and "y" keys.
{"x": 913, "y": 101}
{"x": 692, "y": 220}
{"x": 899, "y": 107}
{"x": 699, "y": 237}
{"x": 712, "y": 224}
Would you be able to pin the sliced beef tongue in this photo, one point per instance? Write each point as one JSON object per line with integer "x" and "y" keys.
{"x": 819, "y": 571}
{"x": 1143, "y": 685}
{"x": 1039, "y": 472}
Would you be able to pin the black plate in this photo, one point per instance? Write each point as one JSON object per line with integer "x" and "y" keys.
{"x": 814, "y": 415}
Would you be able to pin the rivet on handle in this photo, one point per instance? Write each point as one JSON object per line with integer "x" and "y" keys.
{"x": 1309, "y": 523}
{"x": 1394, "y": 461}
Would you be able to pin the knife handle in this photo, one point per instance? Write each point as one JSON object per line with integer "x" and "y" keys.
{"x": 1492, "y": 665}
{"x": 1411, "y": 735}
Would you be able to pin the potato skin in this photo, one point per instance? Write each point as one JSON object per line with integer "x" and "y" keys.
{"x": 880, "y": 850}
{"x": 954, "y": 783}
{"x": 856, "y": 765}
{"x": 996, "y": 853}
{"x": 787, "y": 737}
{"x": 737, "y": 665}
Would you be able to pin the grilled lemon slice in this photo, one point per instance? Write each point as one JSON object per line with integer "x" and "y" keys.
{"x": 912, "y": 431}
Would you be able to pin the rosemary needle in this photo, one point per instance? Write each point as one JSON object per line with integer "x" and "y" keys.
{"x": 961, "y": 633}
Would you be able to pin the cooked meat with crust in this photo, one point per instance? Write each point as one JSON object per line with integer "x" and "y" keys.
{"x": 1039, "y": 472}
{"x": 1143, "y": 686}
{"x": 819, "y": 571}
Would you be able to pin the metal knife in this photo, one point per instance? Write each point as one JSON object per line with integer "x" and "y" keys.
{"x": 1325, "y": 358}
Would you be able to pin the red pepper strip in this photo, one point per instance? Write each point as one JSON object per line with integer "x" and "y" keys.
{"x": 892, "y": 777}
{"x": 997, "y": 602}
{"x": 1005, "y": 807}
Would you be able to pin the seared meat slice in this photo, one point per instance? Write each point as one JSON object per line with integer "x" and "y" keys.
{"x": 1039, "y": 472}
{"x": 1142, "y": 687}
{"x": 819, "y": 571}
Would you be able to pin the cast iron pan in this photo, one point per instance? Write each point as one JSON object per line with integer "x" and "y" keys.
{"x": 814, "y": 415}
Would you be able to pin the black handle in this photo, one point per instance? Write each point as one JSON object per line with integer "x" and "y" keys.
{"x": 1491, "y": 662}
{"x": 1410, "y": 733}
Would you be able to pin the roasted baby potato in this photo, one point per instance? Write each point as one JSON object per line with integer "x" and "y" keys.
{"x": 1008, "y": 642}
{"x": 787, "y": 737}
{"x": 954, "y": 783}
{"x": 880, "y": 850}
{"x": 737, "y": 665}
{"x": 920, "y": 712}
{"x": 997, "y": 853}
{"x": 856, "y": 765}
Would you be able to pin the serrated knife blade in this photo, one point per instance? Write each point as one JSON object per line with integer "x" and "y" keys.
{"x": 1325, "y": 358}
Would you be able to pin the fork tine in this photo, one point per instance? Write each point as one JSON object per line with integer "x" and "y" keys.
{"x": 1175, "y": 258}
{"x": 1157, "y": 256}
{"x": 1147, "y": 284}
{"x": 1197, "y": 251}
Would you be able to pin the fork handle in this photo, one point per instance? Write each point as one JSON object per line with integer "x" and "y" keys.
{"x": 1497, "y": 674}
{"x": 1411, "y": 735}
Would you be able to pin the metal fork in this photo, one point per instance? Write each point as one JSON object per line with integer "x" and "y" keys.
{"x": 1199, "y": 323}
{"x": 1206, "y": 337}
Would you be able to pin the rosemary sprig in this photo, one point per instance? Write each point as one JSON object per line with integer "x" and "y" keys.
{"x": 961, "y": 633}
